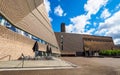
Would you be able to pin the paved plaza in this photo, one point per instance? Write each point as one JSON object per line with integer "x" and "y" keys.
{"x": 85, "y": 66}
{"x": 36, "y": 64}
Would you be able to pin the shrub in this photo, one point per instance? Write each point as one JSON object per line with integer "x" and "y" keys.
{"x": 110, "y": 52}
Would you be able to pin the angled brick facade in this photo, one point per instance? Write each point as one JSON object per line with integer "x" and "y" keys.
{"x": 29, "y": 16}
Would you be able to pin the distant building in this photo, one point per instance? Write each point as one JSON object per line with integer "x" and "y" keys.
{"x": 22, "y": 22}
{"x": 93, "y": 44}
{"x": 69, "y": 43}
{"x": 72, "y": 44}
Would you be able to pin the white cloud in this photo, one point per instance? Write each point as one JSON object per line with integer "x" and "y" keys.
{"x": 48, "y": 9}
{"x": 117, "y": 41}
{"x": 64, "y": 14}
{"x": 59, "y": 11}
{"x": 69, "y": 28}
{"x": 90, "y": 31}
{"x": 105, "y": 14}
{"x": 95, "y": 24}
{"x": 87, "y": 26}
{"x": 111, "y": 26}
{"x": 79, "y": 22}
{"x": 101, "y": 32}
{"x": 47, "y": 5}
{"x": 93, "y": 6}
{"x": 50, "y": 19}
{"x": 118, "y": 6}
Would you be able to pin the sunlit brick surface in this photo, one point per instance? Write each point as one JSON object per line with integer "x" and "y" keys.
{"x": 14, "y": 44}
{"x": 30, "y": 16}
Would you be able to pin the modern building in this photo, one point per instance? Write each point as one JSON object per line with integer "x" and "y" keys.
{"x": 22, "y": 22}
{"x": 72, "y": 44}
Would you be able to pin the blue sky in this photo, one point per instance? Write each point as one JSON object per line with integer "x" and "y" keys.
{"x": 94, "y": 17}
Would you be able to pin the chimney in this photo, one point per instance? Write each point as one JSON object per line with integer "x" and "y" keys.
{"x": 63, "y": 27}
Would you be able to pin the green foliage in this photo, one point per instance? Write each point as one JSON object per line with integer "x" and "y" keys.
{"x": 110, "y": 52}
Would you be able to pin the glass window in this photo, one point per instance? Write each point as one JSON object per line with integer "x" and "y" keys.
{"x": 25, "y": 34}
{"x": 0, "y": 19}
{"x": 13, "y": 28}
{"x": 4, "y": 22}
{"x": 29, "y": 36}
{"x": 34, "y": 38}
{"x": 7, "y": 24}
{"x": 17, "y": 30}
{"x": 22, "y": 33}
{"x": 40, "y": 40}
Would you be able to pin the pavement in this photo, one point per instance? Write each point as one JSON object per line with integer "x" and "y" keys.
{"x": 56, "y": 63}
{"x": 85, "y": 66}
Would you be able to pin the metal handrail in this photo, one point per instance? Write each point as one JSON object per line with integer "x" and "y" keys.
{"x": 5, "y": 57}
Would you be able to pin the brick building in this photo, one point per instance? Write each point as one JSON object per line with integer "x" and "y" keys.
{"x": 22, "y": 22}
{"x": 72, "y": 44}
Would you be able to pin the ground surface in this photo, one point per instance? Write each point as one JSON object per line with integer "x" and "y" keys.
{"x": 17, "y": 64}
{"x": 87, "y": 66}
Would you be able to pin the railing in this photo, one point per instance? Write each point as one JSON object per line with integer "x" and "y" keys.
{"x": 5, "y": 57}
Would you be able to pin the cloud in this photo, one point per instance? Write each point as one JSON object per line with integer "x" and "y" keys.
{"x": 93, "y": 6}
{"x": 65, "y": 14}
{"x": 79, "y": 22}
{"x": 69, "y": 28}
{"x": 90, "y": 31}
{"x": 50, "y": 19}
{"x": 118, "y": 6}
{"x": 101, "y": 32}
{"x": 105, "y": 14}
{"x": 111, "y": 26}
{"x": 117, "y": 41}
{"x": 95, "y": 24}
{"x": 59, "y": 11}
{"x": 47, "y": 5}
{"x": 48, "y": 9}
